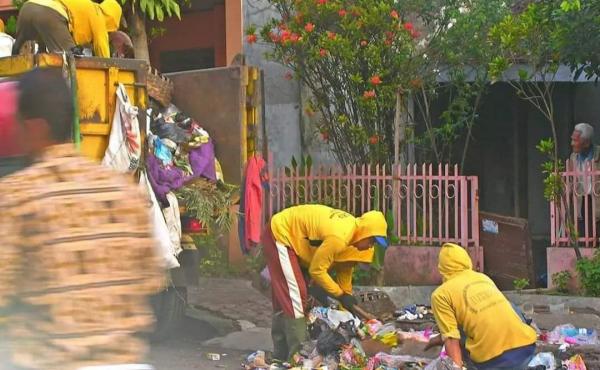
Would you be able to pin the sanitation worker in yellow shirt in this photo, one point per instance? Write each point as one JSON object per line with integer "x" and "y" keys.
{"x": 61, "y": 25}
{"x": 320, "y": 239}
{"x": 479, "y": 327}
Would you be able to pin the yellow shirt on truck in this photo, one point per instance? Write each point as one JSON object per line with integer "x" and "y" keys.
{"x": 89, "y": 22}
{"x": 322, "y": 237}
{"x": 471, "y": 302}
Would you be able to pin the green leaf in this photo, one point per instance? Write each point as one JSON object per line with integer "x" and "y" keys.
{"x": 294, "y": 163}
{"x": 159, "y": 13}
{"x": 523, "y": 74}
{"x": 143, "y": 5}
{"x": 150, "y": 11}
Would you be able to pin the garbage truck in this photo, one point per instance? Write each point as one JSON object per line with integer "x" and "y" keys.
{"x": 226, "y": 101}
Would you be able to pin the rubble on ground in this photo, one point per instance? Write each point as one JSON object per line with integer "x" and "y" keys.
{"x": 340, "y": 341}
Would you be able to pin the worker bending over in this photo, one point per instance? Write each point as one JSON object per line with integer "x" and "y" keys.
{"x": 61, "y": 25}
{"x": 320, "y": 239}
{"x": 479, "y": 327}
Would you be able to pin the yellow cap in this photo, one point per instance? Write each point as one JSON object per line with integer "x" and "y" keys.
{"x": 112, "y": 14}
{"x": 370, "y": 224}
{"x": 1, "y": 25}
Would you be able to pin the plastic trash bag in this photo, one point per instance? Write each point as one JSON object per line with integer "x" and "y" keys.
{"x": 125, "y": 143}
{"x": 166, "y": 130}
{"x": 575, "y": 363}
{"x": 544, "y": 359}
{"x": 330, "y": 341}
{"x": 161, "y": 230}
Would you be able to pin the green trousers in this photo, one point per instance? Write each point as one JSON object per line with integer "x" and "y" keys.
{"x": 288, "y": 334}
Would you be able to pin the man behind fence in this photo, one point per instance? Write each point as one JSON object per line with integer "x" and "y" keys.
{"x": 585, "y": 157}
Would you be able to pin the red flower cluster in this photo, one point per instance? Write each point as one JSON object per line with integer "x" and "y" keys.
{"x": 369, "y": 94}
{"x": 251, "y": 39}
{"x": 323, "y": 53}
{"x": 373, "y": 139}
{"x": 375, "y": 80}
{"x": 411, "y": 29}
{"x": 342, "y": 13}
{"x": 394, "y": 14}
{"x": 309, "y": 27}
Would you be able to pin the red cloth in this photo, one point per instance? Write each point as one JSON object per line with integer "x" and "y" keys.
{"x": 10, "y": 143}
{"x": 253, "y": 196}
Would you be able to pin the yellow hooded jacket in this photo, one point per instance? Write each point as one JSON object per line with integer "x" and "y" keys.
{"x": 89, "y": 22}
{"x": 322, "y": 237}
{"x": 470, "y": 301}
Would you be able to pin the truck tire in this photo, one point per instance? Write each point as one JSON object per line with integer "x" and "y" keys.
{"x": 169, "y": 310}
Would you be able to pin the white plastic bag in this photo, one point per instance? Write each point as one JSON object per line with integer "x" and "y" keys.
{"x": 124, "y": 146}
{"x": 161, "y": 230}
{"x": 6, "y": 45}
{"x": 173, "y": 221}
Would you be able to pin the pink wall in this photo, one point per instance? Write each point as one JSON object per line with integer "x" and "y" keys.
{"x": 417, "y": 265}
{"x": 563, "y": 259}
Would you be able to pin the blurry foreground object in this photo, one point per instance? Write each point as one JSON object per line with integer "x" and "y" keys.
{"x": 78, "y": 261}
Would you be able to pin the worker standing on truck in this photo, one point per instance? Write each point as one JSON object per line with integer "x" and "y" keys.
{"x": 77, "y": 263}
{"x": 61, "y": 25}
{"x": 320, "y": 239}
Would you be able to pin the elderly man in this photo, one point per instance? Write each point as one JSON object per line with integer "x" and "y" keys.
{"x": 585, "y": 157}
{"x": 479, "y": 327}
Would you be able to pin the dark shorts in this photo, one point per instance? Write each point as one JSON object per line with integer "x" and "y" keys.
{"x": 45, "y": 26}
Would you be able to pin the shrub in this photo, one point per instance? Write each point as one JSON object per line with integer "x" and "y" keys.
{"x": 589, "y": 275}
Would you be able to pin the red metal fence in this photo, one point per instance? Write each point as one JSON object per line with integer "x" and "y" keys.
{"x": 427, "y": 204}
{"x": 577, "y": 207}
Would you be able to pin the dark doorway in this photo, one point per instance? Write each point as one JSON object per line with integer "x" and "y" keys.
{"x": 187, "y": 60}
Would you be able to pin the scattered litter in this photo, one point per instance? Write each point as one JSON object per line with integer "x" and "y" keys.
{"x": 545, "y": 359}
{"x": 213, "y": 356}
{"x": 256, "y": 361}
{"x": 571, "y": 335}
{"x": 574, "y": 363}
{"x": 414, "y": 312}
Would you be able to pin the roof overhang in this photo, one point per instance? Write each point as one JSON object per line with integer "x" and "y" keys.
{"x": 564, "y": 74}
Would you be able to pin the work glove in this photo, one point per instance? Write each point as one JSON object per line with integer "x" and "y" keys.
{"x": 318, "y": 293}
{"x": 348, "y": 301}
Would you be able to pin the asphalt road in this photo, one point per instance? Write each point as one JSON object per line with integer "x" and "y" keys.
{"x": 185, "y": 350}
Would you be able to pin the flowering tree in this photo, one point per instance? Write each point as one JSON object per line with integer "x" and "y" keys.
{"x": 353, "y": 56}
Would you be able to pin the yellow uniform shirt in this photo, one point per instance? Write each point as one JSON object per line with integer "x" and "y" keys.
{"x": 89, "y": 22}
{"x": 471, "y": 302}
{"x": 322, "y": 237}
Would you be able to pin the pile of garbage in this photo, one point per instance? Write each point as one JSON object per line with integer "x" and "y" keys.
{"x": 570, "y": 335}
{"x": 569, "y": 341}
{"x": 547, "y": 361}
{"x": 181, "y": 160}
{"x": 414, "y": 312}
{"x": 339, "y": 340}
